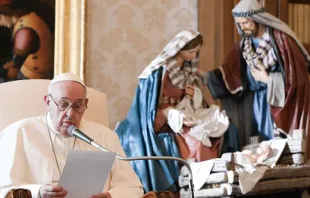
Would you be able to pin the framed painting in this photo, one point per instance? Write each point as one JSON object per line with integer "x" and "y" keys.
{"x": 70, "y": 37}
{"x": 41, "y": 38}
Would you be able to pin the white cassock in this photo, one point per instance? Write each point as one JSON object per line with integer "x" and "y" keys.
{"x": 27, "y": 158}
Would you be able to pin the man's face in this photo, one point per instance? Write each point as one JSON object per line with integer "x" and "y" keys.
{"x": 190, "y": 54}
{"x": 68, "y": 94}
{"x": 247, "y": 25}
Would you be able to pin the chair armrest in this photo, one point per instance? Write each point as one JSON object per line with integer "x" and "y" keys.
{"x": 19, "y": 193}
{"x": 163, "y": 194}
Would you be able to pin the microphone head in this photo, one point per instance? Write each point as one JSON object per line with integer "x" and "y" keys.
{"x": 70, "y": 129}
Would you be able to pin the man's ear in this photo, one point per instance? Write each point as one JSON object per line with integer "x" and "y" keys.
{"x": 86, "y": 101}
{"x": 46, "y": 99}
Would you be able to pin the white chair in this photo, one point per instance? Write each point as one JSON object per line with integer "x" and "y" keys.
{"x": 25, "y": 98}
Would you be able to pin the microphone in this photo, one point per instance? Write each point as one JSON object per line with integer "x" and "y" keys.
{"x": 72, "y": 130}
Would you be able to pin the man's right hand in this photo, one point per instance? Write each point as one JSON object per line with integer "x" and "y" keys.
{"x": 50, "y": 191}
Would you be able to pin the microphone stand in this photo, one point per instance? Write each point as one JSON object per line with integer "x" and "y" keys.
{"x": 79, "y": 134}
{"x": 98, "y": 146}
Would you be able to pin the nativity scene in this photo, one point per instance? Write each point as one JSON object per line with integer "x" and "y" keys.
{"x": 264, "y": 115}
{"x": 220, "y": 108}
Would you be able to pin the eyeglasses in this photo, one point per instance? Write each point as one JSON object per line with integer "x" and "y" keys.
{"x": 65, "y": 105}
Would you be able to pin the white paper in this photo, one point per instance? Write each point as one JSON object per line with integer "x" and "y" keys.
{"x": 86, "y": 172}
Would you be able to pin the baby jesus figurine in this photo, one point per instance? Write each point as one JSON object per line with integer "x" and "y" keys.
{"x": 263, "y": 152}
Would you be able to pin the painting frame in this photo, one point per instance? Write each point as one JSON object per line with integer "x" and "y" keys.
{"x": 70, "y": 37}
{"x": 299, "y": 1}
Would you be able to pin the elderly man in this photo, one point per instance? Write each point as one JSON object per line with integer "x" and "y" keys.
{"x": 263, "y": 83}
{"x": 34, "y": 150}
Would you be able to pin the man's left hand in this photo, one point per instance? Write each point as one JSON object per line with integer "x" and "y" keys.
{"x": 259, "y": 74}
{"x": 102, "y": 195}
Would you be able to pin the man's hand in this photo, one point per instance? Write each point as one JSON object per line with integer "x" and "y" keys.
{"x": 8, "y": 65}
{"x": 50, "y": 191}
{"x": 259, "y": 74}
{"x": 189, "y": 91}
{"x": 12, "y": 71}
{"x": 102, "y": 195}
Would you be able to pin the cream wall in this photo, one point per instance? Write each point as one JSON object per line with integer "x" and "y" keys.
{"x": 123, "y": 36}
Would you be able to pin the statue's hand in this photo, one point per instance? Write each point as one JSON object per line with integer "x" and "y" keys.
{"x": 259, "y": 74}
{"x": 189, "y": 91}
{"x": 200, "y": 72}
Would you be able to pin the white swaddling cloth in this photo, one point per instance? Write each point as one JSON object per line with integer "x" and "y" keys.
{"x": 251, "y": 173}
{"x": 204, "y": 122}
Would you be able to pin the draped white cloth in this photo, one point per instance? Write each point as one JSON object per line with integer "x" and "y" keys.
{"x": 205, "y": 123}
{"x": 28, "y": 161}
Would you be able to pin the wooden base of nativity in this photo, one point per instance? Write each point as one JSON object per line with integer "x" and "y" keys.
{"x": 290, "y": 174}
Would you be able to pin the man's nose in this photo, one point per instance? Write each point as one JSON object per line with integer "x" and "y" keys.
{"x": 70, "y": 111}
